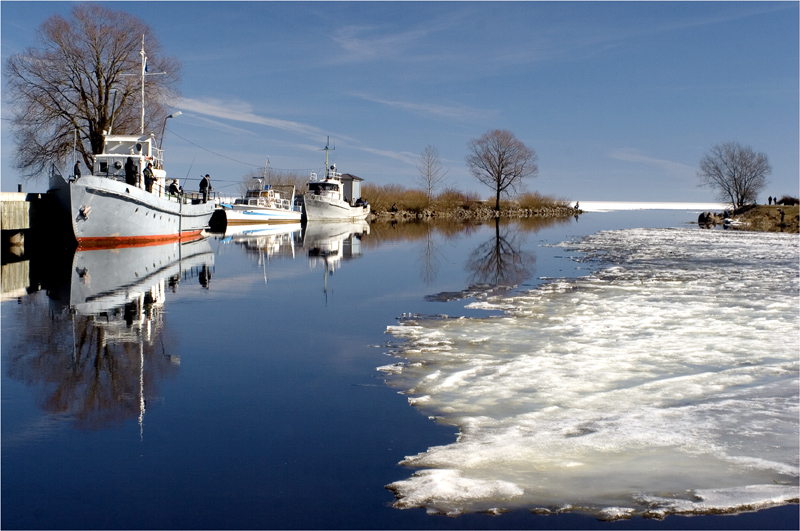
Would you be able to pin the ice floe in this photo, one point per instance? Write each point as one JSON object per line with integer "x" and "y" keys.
{"x": 666, "y": 381}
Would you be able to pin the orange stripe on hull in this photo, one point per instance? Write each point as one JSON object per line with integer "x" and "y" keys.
{"x": 119, "y": 242}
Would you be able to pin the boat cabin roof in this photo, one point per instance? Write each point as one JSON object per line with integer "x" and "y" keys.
{"x": 128, "y": 145}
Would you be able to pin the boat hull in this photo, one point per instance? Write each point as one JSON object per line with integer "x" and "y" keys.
{"x": 320, "y": 208}
{"x": 109, "y": 213}
{"x": 251, "y": 216}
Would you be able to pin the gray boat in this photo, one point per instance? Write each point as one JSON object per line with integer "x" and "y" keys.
{"x": 336, "y": 197}
{"x": 116, "y": 207}
{"x": 113, "y": 207}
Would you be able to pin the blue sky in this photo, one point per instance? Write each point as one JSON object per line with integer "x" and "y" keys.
{"x": 620, "y": 100}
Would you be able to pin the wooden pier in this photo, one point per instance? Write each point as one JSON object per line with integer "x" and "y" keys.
{"x": 32, "y": 225}
{"x": 24, "y": 214}
{"x": 32, "y": 215}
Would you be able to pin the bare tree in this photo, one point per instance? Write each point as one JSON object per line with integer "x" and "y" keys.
{"x": 736, "y": 172}
{"x": 500, "y": 161}
{"x": 431, "y": 173}
{"x": 85, "y": 77}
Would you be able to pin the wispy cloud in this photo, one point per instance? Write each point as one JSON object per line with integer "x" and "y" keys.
{"x": 401, "y": 156}
{"x": 452, "y": 112}
{"x": 368, "y": 42}
{"x": 239, "y": 111}
{"x": 595, "y": 40}
{"x": 222, "y": 126}
{"x": 672, "y": 168}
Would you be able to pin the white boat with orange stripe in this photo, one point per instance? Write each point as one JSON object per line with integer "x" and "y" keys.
{"x": 114, "y": 207}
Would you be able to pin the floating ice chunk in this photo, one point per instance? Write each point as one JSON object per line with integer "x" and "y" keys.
{"x": 735, "y": 499}
{"x": 394, "y": 368}
{"x": 671, "y": 369}
{"x": 444, "y": 491}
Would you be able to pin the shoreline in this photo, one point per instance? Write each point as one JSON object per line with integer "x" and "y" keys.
{"x": 757, "y": 218}
{"x": 475, "y": 213}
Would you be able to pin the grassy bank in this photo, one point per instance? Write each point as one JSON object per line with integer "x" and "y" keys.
{"x": 394, "y": 202}
{"x": 768, "y": 218}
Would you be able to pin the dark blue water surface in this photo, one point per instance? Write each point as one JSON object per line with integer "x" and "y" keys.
{"x": 232, "y": 383}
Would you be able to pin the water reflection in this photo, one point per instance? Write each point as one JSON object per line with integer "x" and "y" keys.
{"x": 498, "y": 264}
{"x": 95, "y": 349}
{"x": 329, "y": 244}
{"x": 500, "y": 261}
{"x": 263, "y": 240}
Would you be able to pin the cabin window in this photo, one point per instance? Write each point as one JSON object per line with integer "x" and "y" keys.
{"x": 323, "y": 187}
{"x": 103, "y": 167}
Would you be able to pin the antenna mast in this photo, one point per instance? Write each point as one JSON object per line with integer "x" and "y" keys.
{"x": 144, "y": 69}
{"x": 327, "y": 148}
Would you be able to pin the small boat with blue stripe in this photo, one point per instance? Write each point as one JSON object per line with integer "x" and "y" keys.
{"x": 270, "y": 204}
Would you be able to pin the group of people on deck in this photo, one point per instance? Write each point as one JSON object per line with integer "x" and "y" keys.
{"x": 149, "y": 179}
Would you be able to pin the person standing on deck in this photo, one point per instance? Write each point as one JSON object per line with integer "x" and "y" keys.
{"x": 148, "y": 177}
{"x": 130, "y": 172}
{"x": 205, "y": 187}
{"x": 76, "y": 170}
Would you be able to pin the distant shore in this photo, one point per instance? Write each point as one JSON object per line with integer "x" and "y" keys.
{"x": 607, "y": 206}
{"x": 476, "y": 212}
{"x": 754, "y": 218}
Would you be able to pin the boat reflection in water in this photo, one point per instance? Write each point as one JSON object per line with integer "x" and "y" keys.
{"x": 330, "y": 243}
{"x": 105, "y": 280}
{"x": 106, "y": 351}
{"x": 265, "y": 239}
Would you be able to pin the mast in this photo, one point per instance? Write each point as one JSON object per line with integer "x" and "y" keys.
{"x": 144, "y": 74}
{"x": 327, "y": 148}
{"x": 144, "y": 69}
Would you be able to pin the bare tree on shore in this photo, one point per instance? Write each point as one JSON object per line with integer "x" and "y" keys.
{"x": 85, "y": 77}
{"x": 736, "y": 172}
{"x": 501, "y": 162}
{"x": 431, "y": 172}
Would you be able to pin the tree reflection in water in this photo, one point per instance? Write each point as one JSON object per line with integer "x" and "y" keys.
{"x": 95, "y": 350}
{"x": 499, "y": 263}
{"x": 94, "y": 370}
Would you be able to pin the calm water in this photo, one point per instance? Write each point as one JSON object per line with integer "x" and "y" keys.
{"x": 285, "y": 379}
